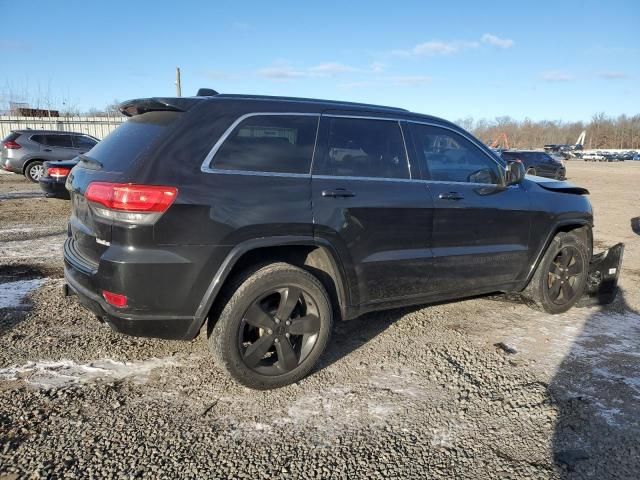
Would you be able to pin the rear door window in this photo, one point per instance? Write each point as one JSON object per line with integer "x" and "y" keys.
{"x": 61, "y": 141}
{"x": 358, "y": 147}
{"x": 83, "y": 142}
{"x": 269, "y": 143}
{"x": 131, "y": 139}
{"x": 41, "y": 139}
{"x": 449, "y": 157}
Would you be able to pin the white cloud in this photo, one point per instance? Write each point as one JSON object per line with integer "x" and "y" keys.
{"x": 410, "y": 80}
{"x": 434, "y": 48}
{"x": 378, "y": 67}
{"x": 284, "y": 71}
{"x": 557, "y": 76}
{"x": 331, "y": 68}
{"x": 281, "y": 71}
{"x": 613, "y": 75}
{"x": 496, "y": 41}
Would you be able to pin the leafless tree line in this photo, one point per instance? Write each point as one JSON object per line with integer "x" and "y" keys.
{"x": 602, "y": 131}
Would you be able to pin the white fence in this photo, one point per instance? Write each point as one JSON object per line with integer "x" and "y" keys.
{"x": 98, "y": 127}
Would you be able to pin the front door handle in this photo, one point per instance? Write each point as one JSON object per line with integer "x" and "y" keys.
{"x": 451, "y": 196}
{"x": 338, "y": 193}
{"x": 47, "y": 149}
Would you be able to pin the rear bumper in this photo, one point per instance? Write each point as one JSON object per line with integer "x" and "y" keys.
{"x": 9, "y": 165}
{"x": 84, "y": 280}
{"x": 54, "y": 188}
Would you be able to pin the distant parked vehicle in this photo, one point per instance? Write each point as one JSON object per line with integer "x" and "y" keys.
{"x": 537, "y": 163}
{"x": 55, "y": 176}
{"x": 592, "y": 157}
{"x": 25, "y": 151}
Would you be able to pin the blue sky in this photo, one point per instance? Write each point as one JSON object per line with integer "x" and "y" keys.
{"x": 537, "y": 59}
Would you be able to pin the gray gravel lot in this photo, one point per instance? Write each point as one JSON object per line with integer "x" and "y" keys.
{"x": 413, "y": 393}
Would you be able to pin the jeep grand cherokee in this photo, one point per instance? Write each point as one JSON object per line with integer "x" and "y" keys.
{"x": 264, "y": 218}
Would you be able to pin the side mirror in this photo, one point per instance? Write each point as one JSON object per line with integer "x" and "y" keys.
{"x": 515, "y": 172}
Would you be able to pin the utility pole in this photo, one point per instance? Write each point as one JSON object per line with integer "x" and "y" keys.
{"x": 178, "y": 85}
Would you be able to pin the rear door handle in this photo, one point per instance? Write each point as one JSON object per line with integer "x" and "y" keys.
{"x": 47, "y": 149}
{"x": 338, "y": 193}
{"x": 451, "y": 196}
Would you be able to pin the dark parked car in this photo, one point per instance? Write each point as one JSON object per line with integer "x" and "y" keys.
{"x": 263, "y": 219}
{"x": 537, "y": 163}
{"x": 24, "y": 151}
{"x": 55, "y": 176}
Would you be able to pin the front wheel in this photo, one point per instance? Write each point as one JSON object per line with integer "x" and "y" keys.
{"x": 273, "y": 328}
{"x": 531, "y": 171}
{"x": 561, "y": 276}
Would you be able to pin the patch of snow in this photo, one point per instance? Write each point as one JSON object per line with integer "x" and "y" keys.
{"x": 12, "y": 294}
{"x": 63, "y": 373}
{"x": 48, "y": 247}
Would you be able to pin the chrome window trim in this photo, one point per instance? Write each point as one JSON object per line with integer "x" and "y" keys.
{"x": 375, "y": 179}
{"x": 470, "y": 139}
{"x": 365, "y": 117}
{"x": 206, "y": 166}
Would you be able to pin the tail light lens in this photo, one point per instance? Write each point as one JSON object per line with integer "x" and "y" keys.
{"x": 136, "y": 204}
{"x": 58, "y": 172}
{"x": 11, "y": 145}
{"x": 115, "y": 299}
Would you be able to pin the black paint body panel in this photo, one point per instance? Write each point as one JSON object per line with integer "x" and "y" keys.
{"x": 394, "y": 243}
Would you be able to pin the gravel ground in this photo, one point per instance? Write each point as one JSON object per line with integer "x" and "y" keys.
{"x": 483, "y": 388}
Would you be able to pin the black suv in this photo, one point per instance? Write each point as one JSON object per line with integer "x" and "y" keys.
{"x": 264, "y": 218}
{"x": 537, "y": 163}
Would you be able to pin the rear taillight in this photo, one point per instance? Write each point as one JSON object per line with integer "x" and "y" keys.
{"x": 11, "y": 145}
{"x": 58, "y": 172}
{"x": 128, "y": 203}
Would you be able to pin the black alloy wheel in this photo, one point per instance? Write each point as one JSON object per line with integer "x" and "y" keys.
{"x": 564, "y": 275}
{"x": 279, "y": 330}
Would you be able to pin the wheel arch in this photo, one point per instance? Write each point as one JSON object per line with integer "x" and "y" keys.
{"x": 583, "y": 228}
{"x": 28, "y": 162}
{"x": 315, "y": 255}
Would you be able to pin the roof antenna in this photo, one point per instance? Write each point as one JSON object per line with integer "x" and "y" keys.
{"x": 206, "y": 92}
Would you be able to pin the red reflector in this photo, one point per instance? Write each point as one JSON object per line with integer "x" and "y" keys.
{"x": 115, "y": 299}
{"x": 11, "y": 145}
{"x": 131, "y": 198}
{"x": 58, "y": 172}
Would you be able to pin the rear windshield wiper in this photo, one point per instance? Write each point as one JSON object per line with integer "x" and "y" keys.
{"x": 90, "y": 161}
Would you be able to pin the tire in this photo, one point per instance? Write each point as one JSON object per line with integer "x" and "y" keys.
{"x": 552, "y": 274}
{"x": 256, "y": 347}
{"x": 531, "y": 171}
{"x": 34, "y": 171}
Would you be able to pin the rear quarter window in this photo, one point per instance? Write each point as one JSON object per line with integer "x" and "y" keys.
{"x": 269, "y": 143}
{"x": 133, "y": 138}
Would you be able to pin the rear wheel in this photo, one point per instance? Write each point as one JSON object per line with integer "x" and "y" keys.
{"x": 34, "y": 171}
{"x": 274, "y": 326}
{"x": 561, "y": 276}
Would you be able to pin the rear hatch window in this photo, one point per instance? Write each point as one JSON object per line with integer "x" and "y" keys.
{"x": 11, "y": 137}
{"x": 130, "y": 140}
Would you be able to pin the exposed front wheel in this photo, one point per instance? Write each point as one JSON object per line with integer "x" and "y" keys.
{"x": 34, "y": 171}
{"x": 562, "y": 273}
{"x": 274, "y": 326}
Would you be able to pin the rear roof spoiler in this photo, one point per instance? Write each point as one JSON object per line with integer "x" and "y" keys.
{"x": 139, "y": 106}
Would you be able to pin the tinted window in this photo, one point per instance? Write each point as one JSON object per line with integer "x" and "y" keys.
{"x": 450, "y": 157}
{"x": 59, "y": 141}
{"x": 269, "y": 143}
{"x": 364, "y": 148}
{"x": 131, "y": 139}
{"x": 41, "y": 139}
{"x": 84, "y": 142}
